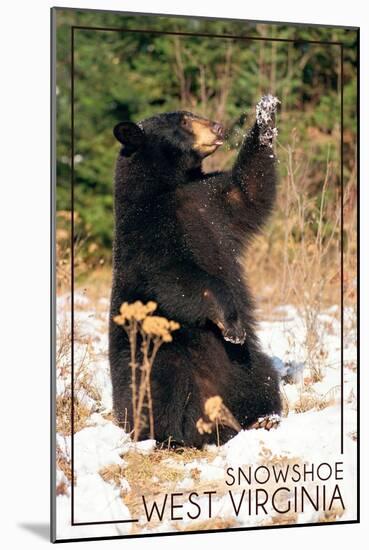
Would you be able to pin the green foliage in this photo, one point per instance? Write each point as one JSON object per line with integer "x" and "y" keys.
{"x": 131, "y": 75}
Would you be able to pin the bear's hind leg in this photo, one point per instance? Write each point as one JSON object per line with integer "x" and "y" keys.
{"x": 170, "y": 393}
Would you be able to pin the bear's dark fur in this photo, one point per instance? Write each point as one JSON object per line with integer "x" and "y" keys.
{"x": 180, "y": 240}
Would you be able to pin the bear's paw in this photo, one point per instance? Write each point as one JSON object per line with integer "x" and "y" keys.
{"x": 265, "y": 111}
{"x": 266, "y": 422}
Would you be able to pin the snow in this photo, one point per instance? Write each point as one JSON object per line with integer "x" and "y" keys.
{"x": 310, "y": 437}
{"x": 313, "y": 435}
{"x": 97, "y": 446}
{"x": 265, "y": 110}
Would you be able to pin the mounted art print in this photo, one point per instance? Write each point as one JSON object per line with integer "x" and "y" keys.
{"x": 204, "y": 227}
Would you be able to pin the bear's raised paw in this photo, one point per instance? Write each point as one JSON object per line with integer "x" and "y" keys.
{"x": 265, "y": 111}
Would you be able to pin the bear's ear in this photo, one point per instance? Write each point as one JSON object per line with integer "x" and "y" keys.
{"x": 129, "y": 135}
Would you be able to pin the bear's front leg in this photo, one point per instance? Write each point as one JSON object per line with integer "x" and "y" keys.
{"x": 223, "y": 313}
{"x": 189, "y": 295}
{"x": 254, "y": 170}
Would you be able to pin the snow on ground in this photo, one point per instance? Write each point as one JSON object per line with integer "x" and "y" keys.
{"x": 309, "y": 434}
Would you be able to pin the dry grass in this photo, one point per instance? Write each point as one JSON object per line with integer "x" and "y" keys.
{"x": 63, "y": 250}
{"x": 153, "y": 474}
{"x": 63, "y": 463}
{"x": 112, "y": 473}
{"x": 163, "y": 466}
{"x": 307, "y": 401}
{"x": 213, "y": 524}
{"x": 82, "y": 267}
{"x": 148, "y": 475}
{"x": 310, "y": 399}
{"x": 331, "y": 515}
{"x": 184, "y": 455}
{"x": 61, "y": 489}
{"x": 281, "y": 519}
{"x": 85, "y": 392}
{"x": 146, "y": 333}
{"x": 63, "y": 414}
{"x": 146, "y": 470}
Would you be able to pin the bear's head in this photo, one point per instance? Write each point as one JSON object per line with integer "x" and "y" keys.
{"x": 176, "y": 135}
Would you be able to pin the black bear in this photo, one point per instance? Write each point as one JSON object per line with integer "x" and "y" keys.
{"x": 180, "y": 240}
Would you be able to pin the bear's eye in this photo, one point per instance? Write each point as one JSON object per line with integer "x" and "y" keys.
{"x": 186, "y": 122}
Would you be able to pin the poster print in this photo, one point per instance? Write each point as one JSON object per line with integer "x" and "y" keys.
{"x": 205, "y": 246}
